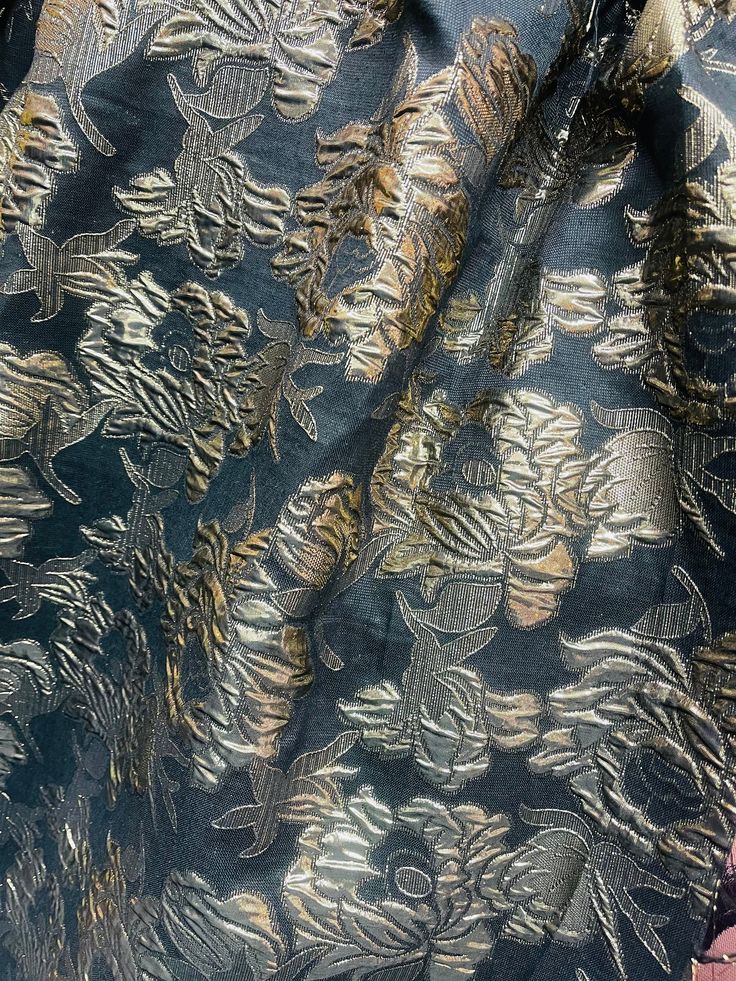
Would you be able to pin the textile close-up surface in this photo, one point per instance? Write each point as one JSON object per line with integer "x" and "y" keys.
{"x": 367, "y": 490}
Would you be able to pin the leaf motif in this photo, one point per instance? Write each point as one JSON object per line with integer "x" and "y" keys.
{"x": 319, "y": 529}
{"x": 604, "y": 166}
{"x": 298, "y": 42}
{"x": 603, "y": 905}
{"x": 574, "y": 301}
{"x": 494, "y": 83}
{"x": 297, "y": 399}
{"x": 375, "y": 15}
{"x": 659, "y": 39}
{"x": 645, "y": 927}
{"x": 35, "y": 148}
{"x": 669, "y": 621}
{"x": 107, "y": 17}
{"x": 628, "y": 344}
{"x": 210, "y": 933}
{"x": 398, "y": 183}
{"x": 462, "y": 607}
{"x": 21, "y": 503}
{"x": 704, "y": 133}
{"x": 331, "y": 660}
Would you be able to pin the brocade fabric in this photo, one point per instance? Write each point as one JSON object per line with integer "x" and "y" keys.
{"x": 367, "y": 488}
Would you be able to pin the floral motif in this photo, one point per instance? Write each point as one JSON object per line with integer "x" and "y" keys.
{"x": 241, "y": 925}
{"x": 433, "y": 921}
{"x": 515, "y": 514}
{"x": 648, "y": 478}
{"x": 44, "y": 408}
{"x": 641, "y": 728}
{"x": 251, "y": 631}
{"x": 676, "y": 300}
{"x": 298, "y": 41}
{"x": 444, "y": 715}
{"x": 212, "y": 203}
{"x": 37, "y": 940}
{"x": 565, "y": 883}
{"x": 77, "y": 40}
{"x": 179, "y": 370}
{"x": 526, "y": 501}
{"x": 308, "y": 626}
{"x": 395, "y": 186}
{"x": 112, "y": 705}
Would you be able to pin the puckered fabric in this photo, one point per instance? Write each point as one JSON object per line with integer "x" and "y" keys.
{"x": 367, "y": 489}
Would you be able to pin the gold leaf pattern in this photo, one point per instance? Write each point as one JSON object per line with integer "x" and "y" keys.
{"x": 398, "y": 188}
{"x": 257, "y": 654}
{"x": 34, "y": 148}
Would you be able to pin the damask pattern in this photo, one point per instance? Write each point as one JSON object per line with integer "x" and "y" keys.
{"x": 367, "y": 488}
